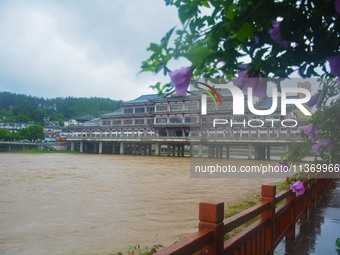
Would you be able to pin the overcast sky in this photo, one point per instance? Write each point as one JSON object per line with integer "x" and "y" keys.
{"x": 80, "y": 48}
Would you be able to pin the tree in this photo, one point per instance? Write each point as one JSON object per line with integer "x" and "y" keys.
{"x": 24, "y": 133}
{"x": 4, "y": 134}
{"x": 36, "y": 132}
{"x": 277, "y": 38}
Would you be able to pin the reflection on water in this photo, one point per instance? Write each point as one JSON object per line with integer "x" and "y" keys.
{"x": 97, "y": 204}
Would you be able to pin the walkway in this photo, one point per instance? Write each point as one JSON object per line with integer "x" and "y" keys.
{"x": 319, "y": 233}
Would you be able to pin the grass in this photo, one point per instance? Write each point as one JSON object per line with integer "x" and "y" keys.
{"x": 137, "y": 250}
{"x": 251, "y": 201}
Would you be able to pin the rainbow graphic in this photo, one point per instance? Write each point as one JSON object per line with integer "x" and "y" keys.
{"x": 209, "y": 93}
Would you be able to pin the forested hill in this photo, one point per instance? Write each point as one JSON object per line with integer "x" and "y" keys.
{"x": 18, "y": 107}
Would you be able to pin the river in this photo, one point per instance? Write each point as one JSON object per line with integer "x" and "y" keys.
{"x": 100, "y": 204}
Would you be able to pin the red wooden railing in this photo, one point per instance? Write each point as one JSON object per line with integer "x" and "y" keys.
{"x": 261, "y": 237}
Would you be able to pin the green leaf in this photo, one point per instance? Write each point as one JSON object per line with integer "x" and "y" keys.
{"x": 197, "y": 53}
{"x": 165, "y": 39}
{"x": 245, "y": 32}
{"x": 185, "y": 12}
{"x": 155, "y": 48}
{"x": 205, "y": 3}
{"x": 230, "y": 14}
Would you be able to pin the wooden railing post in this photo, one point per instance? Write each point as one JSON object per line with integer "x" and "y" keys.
{"x": 268, "y": 194}
{"x": 305, "y": 200}
{"x": 211, "y": 215}
{"x": 291, "y": 231}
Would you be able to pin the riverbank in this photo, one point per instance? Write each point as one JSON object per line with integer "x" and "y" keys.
{"x": 42, "y": 151}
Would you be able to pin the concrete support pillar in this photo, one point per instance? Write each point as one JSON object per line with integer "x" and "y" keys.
{"x": 100, "y": 147}
{"x": 268, "y": 152}
{"x": 221, "y": 151}
{"x": 81, "y": 149}
{"x": 113, "y": 148}
{"x": 134, "y": 149}
{"x": 168, "y": 150}
{"x": 249, "y": 151}
{"x": 287, "y": 147}
{"x": 182, "y": 151}
{"x": 173, "y": 150}
{"x": 150, "y": 149}
{"x": 72, "y": 146}
{"x": 178, "y": 151}
{"x": 200, "y": 150}
{"x": 157, "y": 149}
{"x": 260, "y": 152}
{"x": 227, "y": 152}
{"x": 121, "y": 148}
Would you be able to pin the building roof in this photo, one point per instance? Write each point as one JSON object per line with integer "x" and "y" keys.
{"x": 143, "y": 99}
{"x": 17, "y": 122}
{"x": 85, "y": 117}
{"x": 115, "y": 113}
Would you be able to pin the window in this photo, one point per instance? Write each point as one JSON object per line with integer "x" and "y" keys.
{"x": 207, "y": 119}
{"x": 211, "y": 107}
{"x": 128, "y": 110}
{"x": 224, "y": 106}
{"x": 161, "y": 120}
{"x": 139, "y": 122}
{"x": 161, "y": 108}
{"x": 241, "y": 118}
{"x": 140, "y": 110}
{"x": 149, "y": 121}
{"x": 127, "y": 122}
{"x": 175, "y": 107}
{"x": 224, "y": 117}
{"x": 106, "y": 123}
{"x": 175, "y": 120}
{"x": 150, "y": 109}
{"x": 192, "y": 119}
{"x": 191, "y": 106}
{"x": 116, "y": 122}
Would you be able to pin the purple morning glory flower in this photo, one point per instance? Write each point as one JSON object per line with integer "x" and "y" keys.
{"x": 312, "y": 101}
{"x": 324, "y": 143}
{"x": 298, "y": 187}
{"x": 321, "y": 97}
{"x": 245, "y": 81}
{"x": 255, "y": 43}
{"x": 181, "y": 79}
{"x": 276, "y": 35}
{"x": 316, "y": 100}
{"x": 310, "y": 131}
{"x": 337, "y": 6}
{"x": 334, "y": 62}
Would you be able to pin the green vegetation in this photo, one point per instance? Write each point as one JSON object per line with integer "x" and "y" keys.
{"x": 234, "y": 209}
{"x": 137, "y": 250}
{"x": 23, "y": 108}
{"x": 33, "y": 132}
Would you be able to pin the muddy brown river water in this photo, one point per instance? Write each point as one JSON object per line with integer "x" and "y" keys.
{"x": 99, "y": 204}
